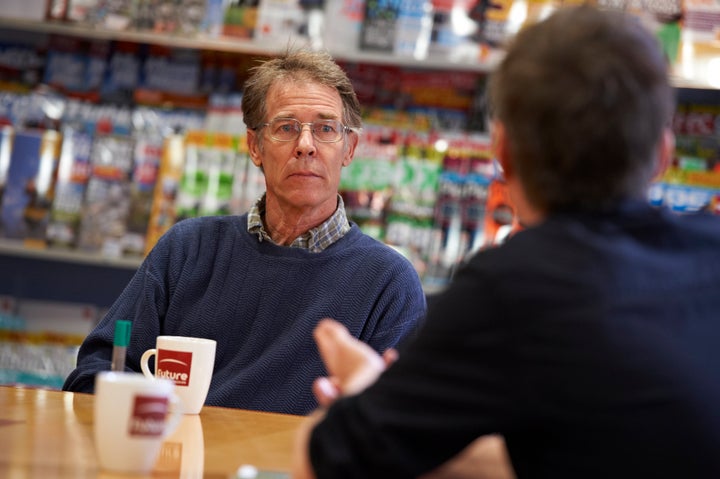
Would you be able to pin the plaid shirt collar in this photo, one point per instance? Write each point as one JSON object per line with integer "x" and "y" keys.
{"x": 314, "y": 240}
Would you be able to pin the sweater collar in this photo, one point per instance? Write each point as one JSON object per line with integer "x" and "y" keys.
{"x": 314, "y": 240}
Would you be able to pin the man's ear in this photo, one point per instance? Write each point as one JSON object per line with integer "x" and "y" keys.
{"x": 351, "y": 143}
{"x": 254, "y": 148}
{"x": 666, "y": 153}
{"x": 501, "y": 148}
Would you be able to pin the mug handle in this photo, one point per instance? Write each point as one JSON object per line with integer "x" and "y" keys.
{"x": 144, "y": 363}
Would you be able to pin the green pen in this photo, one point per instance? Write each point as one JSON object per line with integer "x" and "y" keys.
{"x": 120, "y": 343}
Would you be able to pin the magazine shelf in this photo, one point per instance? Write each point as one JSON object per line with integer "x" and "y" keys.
{"x": 221, "y": 43}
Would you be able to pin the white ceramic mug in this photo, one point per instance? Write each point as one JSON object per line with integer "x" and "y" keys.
{"x": 187, "y": 361}
{"x": 132, "y": 417}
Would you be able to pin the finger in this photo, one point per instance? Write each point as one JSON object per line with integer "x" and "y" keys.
{"x": 390, "y": 356}
{"x": 337, "y": 346}
{"x": 329, "y": 329}
{"x": 325, "y": 391}
{"x": 332, "y": 336}
{"x": 326, "y": 336}
{"x": 349, "y": 360}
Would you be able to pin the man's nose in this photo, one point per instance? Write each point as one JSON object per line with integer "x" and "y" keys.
{"x": 306, "y": 141}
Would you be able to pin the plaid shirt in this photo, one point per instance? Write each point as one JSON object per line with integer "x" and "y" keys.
{"x": 314, "y": 240}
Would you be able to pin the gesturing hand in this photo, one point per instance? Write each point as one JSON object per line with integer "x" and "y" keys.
{"x": 352, "y": 365}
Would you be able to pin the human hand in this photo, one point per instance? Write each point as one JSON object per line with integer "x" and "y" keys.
{"x": 352, "y": 365}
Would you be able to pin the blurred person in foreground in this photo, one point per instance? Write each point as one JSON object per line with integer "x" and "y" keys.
{"x": 586, "y": 344}
{"x": 259, "y": 283}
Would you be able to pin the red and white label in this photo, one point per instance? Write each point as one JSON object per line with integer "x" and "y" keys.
{"x": 174, "y": 365}
{"x": 148, "y": 416}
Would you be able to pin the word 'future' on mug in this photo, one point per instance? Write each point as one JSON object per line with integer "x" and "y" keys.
{"x": 133, "y": 415}
{"x": 187, "y": 361}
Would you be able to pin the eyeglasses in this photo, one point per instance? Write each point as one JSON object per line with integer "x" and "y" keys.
{"x": 289, "y": 129}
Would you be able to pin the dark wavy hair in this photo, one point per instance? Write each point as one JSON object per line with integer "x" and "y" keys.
{"x": 584, "y": 97}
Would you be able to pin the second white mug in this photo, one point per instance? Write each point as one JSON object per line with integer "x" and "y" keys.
{"x": 133, "y": 415}
{"x": 189, "y": 362}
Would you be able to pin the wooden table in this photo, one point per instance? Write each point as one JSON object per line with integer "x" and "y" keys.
{"x": 48, "y": 434}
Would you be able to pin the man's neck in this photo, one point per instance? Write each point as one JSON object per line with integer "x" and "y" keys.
{"x": 526, "y": 213}
{"x": 284, "y": 225}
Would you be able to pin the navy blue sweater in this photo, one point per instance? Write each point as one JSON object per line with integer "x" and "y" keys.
{"x": 208, "y": 277}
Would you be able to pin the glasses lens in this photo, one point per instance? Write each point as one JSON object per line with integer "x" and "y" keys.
{"x": 285, "y": 129}
{"x": 288, "y": 129}
{"x": 327, "y": 130}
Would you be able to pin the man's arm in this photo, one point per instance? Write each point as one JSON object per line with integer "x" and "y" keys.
{"x": 301, "y": 466}
{"x": 352, "y": 366}
{"x": 136, "y": 303}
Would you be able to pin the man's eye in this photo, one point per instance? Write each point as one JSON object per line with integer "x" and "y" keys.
{"x": 286, "y": 127}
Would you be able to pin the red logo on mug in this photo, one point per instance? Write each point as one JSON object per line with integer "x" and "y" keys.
{"x": 148, "y": 416}
{"x": 174, "y": 365}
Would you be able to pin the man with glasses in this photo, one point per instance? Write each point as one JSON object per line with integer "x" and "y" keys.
{"x": 259, "y": 283}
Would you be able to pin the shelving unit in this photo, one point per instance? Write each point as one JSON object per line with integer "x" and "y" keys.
{"x": 78, "y": 276}
{"x": 55, "y": 275}
{"x": 179, "y": 41}
{"x": 17, "y": 248}
{"x": 682, "y": 75}
{"x": 238, "y": 45}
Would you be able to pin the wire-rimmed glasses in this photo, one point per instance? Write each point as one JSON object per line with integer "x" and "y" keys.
{"x": 289, "y": 129}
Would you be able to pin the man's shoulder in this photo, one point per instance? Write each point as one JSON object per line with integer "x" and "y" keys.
{"x": 371, "y": 245}
{"x": 204, "y": 224}
{"x": 202, "y": 229}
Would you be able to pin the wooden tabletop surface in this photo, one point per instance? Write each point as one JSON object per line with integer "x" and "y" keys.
{"x": 48, "y": 434}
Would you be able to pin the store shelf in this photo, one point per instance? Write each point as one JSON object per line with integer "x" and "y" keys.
{"x": 679, "y": 81}
{"x": 19, "y": 249}
{"x": 430, "y": 63}
{"x": 698, "y": 65}
{"x": 690, "y": 71}
{"x": 66, "y": 276}
{"x": 170, "y": 40}
{"x": 238, "y": 45}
